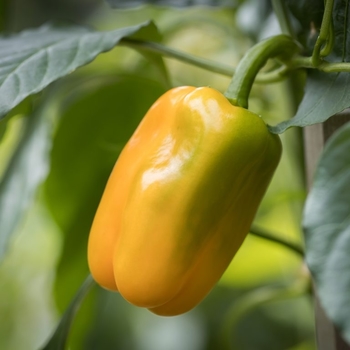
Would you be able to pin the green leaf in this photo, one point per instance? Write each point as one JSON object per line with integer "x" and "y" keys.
{"x": 59, "y": 338}
{"x": 33, "y": 59}
{"x": 326, "y": 225}
{"x": 27, "y": 169}
{"x": 27, "y": 307}
{"x": 341, "y": 13}
{"x": 325, "y": 95}
{"x": 309, "y": 14}
{"x": 277, "y": 316}
{"x": 172, "y": 3}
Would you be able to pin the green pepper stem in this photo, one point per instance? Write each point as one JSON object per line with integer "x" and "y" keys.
{"x": 281, "y": 46}
{"x": 279, "y": 240}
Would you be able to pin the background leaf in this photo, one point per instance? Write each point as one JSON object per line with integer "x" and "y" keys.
{"x": 308, "y": 15}
{"x": 59, "y": 338}
{"x": 327, "y": 230}
{"x": 26, "y": 282}
{"x": 270, "y": 310}
{"x": 2, "y": 130}
{"x": 33, "y": 59}
{"x": 341, "y": 12}
{"x": 27, "y": 169}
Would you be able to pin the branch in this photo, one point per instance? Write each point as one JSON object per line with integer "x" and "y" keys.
{"x": 274, "y": 238}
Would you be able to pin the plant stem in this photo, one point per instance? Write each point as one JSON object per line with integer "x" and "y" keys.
{"x": 280, "y": 9}
{"x": 334, "y": 67}
{"x": 274, "y": 238}
{"x": 262, "y": 78}
{"x": 301, "y": 62}
{"x": 182, "y": 56}
{"x": 281, "y": 46}
{"x": 325, "y": 35}
{"x": 327, "y": 67}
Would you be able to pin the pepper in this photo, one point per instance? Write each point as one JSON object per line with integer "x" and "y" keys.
{"x": 180, "y": 199}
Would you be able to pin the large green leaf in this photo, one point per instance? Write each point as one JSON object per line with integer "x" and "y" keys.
{"x": 326, "y": 93}
{"x": 327, "y": 230}
{"x": 33, "y": 59}
{"x": 341, "y": 12}
{"x": 28, "y": 167}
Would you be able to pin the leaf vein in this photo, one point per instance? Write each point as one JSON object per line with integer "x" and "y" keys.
{"x": 34, "y": 55}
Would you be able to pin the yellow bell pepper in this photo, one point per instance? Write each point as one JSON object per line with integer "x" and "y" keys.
{"x": 181, "y": 199}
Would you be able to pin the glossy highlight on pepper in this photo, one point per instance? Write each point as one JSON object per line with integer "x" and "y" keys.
{"x": 180, "y": 200}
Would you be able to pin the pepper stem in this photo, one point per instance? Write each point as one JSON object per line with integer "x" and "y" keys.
{"x": 281, "y": 46}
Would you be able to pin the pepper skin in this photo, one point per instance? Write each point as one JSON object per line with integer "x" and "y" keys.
{"x": 181, "y": 199}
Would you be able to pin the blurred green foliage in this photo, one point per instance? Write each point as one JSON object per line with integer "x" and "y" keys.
{"x": 104, "y": 101}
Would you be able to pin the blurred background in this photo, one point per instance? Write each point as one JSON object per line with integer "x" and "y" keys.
{"x": 103, "y": 103}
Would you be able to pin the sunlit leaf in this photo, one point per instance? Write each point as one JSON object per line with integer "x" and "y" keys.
{"x": 327, "y": 230}
{"x": 33, "y": 59}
